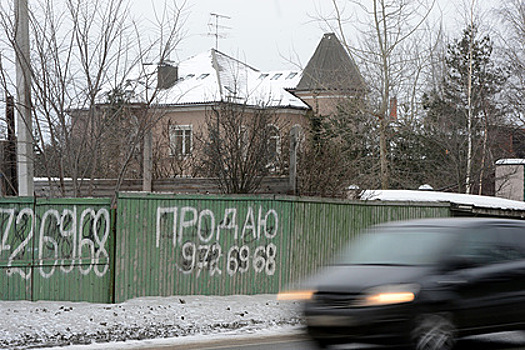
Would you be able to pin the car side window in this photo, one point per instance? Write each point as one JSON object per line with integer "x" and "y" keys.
{"x": 512, "y": 242}
{"x": 478, "y": 246}
{"x": 493, "y": 244}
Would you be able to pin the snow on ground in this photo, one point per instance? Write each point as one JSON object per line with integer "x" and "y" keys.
{"x": 44, "y": 324}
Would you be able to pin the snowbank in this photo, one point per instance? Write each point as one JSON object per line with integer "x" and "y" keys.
{"x": 27, "y": 324}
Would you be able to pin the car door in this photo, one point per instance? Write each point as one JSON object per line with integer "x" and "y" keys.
{"x": 513, "y": 237}
{"x": 490, "y": 286}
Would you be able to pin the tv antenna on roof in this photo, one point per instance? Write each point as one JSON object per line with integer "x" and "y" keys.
{"x": 215, "y": 27}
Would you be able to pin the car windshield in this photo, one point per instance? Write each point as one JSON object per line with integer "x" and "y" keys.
{"x": 398, "y": 246}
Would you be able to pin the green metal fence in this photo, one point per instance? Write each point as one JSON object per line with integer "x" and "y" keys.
{"x": 155, "y": 245}
{"x": 56, "y": 249}
{"x": 199, "y": 245}
{"x": 321, "y": 228}
{"x": 176, "y": 245}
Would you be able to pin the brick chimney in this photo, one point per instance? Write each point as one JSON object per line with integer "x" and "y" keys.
{"x": 167, "y": 75}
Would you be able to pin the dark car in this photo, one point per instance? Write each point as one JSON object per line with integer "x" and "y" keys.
{"x": 422, "y": 283}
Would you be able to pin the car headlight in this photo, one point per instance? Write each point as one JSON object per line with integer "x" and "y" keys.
{"x": 296, "y": 295}
{"x": 389, "y": 294}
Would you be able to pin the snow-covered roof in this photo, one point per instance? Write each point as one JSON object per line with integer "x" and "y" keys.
{"x": 213, "y": 76}
{"x": 454, "y": 198}
{"x": 511, "y": 161}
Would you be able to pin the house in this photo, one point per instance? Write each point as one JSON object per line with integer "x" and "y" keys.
{"x": 173, "y": 100}
{"x": 330, "y": 77}
{"x": 203, "y": 82}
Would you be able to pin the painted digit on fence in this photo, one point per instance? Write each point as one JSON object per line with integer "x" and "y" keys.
{"x": 203, "y": 253}
{"x": 86, "y": 242}
{"x": 101, "y": 242}
{"x": 259, "y": 262}
{"x": 216, "y": 253}
{"x": 188, "y": 253}
{"x": 271, "y": 253}
{"x": 244, "y": 259}
{"x": 24, "y": 212}
{"x": 68, "y": 229}
{"x": 232, "y": 264}
{"x": 44, "y": 242}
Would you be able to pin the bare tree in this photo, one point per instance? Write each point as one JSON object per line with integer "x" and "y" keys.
{"x": 339, "y": 151}
{"x": 83, "y": 57}
{"x": 513, "y": 39}
{"x": 240, "y": 146}
{"x": 386, "y": 28}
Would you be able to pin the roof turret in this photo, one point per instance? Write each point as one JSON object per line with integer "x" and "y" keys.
{"x": 331, "y": 68}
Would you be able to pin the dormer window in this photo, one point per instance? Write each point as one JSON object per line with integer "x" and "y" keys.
{"x": 277, "y": 76}
{"x": 291, "y": 75}
{"x": 203, "y": 76}
{"x": 263, "y": 76}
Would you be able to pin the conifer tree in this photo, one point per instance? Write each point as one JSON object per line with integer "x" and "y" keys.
{"x": 463, "y": 113}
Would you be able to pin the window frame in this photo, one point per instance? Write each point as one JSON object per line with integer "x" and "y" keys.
{"x": 185, "y": 150}
{"x": 274, "y": 138}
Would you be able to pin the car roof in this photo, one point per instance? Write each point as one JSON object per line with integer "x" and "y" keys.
{"x": 455, "y": 222}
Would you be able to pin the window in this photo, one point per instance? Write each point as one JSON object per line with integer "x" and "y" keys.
{"x": 274, "y": 145}
{"x": 243, "y": 141}
{"x": 291, "y": 75}
{"x": 181, "y": 140}
{"x": 276, "y": 76}
{"x": 511, "y": 242}
{"x": 492, "y": 245}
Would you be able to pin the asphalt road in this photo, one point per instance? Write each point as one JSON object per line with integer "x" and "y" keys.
{"x": 501, "y": 341}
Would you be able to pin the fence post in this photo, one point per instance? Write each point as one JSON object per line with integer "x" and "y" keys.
{"x": 112, "y": 258}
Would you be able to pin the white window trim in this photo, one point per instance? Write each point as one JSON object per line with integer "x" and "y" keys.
{"x": 276, "y": 137}
{"x": 187, "y": 149}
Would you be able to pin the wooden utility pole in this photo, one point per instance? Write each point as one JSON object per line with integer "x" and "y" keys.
{"x": 25, "y": 154}
{"x": 11, "y": 182}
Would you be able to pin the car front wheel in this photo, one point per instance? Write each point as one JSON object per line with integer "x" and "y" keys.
{"x": 434, "y": 332}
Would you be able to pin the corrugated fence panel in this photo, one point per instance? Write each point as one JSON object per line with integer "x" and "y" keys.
{"x": 323, "y": 227}
{"x": 200, "y": 245}
{"x": 71, "y": 249}
{"x": 73, "y": 241}
{"x": 55, "y": 249}
{"x": 16, "y": 248}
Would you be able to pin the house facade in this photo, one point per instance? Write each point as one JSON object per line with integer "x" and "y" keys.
{"x": 200, "y": 86}
{"x": 175, "y": 103}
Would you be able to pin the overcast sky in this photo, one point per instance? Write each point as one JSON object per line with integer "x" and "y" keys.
{"x": 264, "y": 33}
{"x": 260, "y": 32}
